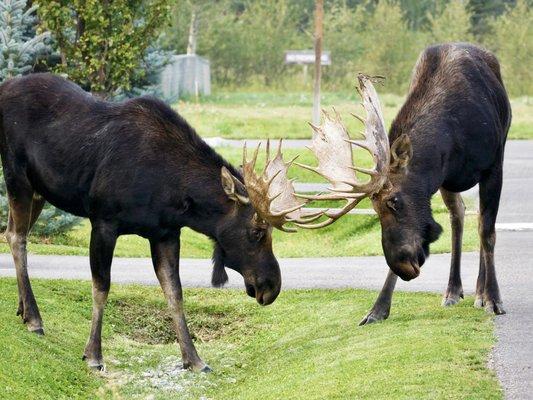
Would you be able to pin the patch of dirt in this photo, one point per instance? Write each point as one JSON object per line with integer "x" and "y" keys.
{"x": 151, "y": 322}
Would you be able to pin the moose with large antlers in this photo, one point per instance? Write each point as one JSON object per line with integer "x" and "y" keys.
{"x": 135, "y": 168}
{"x": 449, "y": 135}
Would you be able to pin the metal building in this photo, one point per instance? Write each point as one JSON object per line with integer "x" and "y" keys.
{"x": 186, "y": 75}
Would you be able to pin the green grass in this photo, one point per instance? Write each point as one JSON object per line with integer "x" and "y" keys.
{"x": 307, "y": 345}
{"x": 353, "y": 235}
{"x": 245, "y": 115}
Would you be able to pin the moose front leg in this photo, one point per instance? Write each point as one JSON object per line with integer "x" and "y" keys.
{"x": 381, "y": 309}
{"x": 456, "y": 207}
{"x": 165, "y": 257}
{"x": 487, "y": 289}
{"x": 103, "y": 240}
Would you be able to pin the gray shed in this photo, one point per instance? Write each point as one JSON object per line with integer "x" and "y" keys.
{"x": 186, "y": 74}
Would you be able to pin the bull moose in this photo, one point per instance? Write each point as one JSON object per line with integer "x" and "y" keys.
{"x": 135, "y": 167}
{"x": 449, "y": 135}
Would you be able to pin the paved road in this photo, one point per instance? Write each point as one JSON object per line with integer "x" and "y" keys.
{"x": 513, "y": 355}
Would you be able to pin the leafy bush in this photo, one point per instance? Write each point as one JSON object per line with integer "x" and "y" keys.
{"x": 100, "y": 42}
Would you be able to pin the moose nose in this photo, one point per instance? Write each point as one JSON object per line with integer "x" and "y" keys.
{"x": 407, "y": 270}
{"x": 265, "y": 291}
{"x": 266, "y": 297}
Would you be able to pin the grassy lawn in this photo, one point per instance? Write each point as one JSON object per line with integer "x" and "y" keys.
{"x": 354, "y": 235}
{"x": 307, "y": 345}
{"x": 285, "y": 115}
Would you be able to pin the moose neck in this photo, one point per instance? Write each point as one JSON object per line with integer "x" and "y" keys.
{"x": 431, "y": 149}
{"x": 209, "y": 205}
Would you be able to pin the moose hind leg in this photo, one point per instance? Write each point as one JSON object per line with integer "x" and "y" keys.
{"x": 456, "y": 207}
{"x": 103, "y": 240}
{"x": 19, "y": 223}
{"x": 487, "y": 291}
{"x": 36, "y": 208}
{"x": 165, "y": 257}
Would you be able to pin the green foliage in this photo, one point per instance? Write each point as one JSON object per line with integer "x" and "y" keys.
{"x": 512, "y": 40}
{"x": 19, "y": 45}
{"x": 100, "y": 42}
{"x": 250, "y": 43}
{"x": 245, "y": 39}
{"x": 451, "y": 23}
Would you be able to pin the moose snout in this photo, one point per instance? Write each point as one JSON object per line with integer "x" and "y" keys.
{"x": 407, "y": 270}
{"x": 264, "y": 291}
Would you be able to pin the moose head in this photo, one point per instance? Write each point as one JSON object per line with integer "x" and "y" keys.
{"x": 403, "y": 208}
{"x": 262, "y": 202}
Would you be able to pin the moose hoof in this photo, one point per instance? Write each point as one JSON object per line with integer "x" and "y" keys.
{"x": 450, "y": 301}
{"x": 37, "y": 331}
{"x": 199, "y": 367}
{"x": 372, "y": 317}
{"x": 95, "y": 365}
{"x": 206, "y": 369}
{"x": 493, "y": 307}
{"x": 478, "y": 303}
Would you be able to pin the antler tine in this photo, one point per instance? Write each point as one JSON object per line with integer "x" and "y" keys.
{"x": 254, "y": 157}
{"x": 350, "y": 205}
{"x": 267, "y": 156}
{"x": 358, "y": 117}
{"x": 279, "y": 147}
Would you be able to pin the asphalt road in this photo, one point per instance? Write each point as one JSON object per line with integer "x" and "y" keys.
{"x": 513, "y": 356}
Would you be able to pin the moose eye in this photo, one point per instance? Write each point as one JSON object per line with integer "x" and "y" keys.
{"x": 257, "y": 234}
{"x": 392, "y": 203}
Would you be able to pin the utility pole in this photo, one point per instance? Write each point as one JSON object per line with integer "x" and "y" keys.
{"x": 319, "y": 32}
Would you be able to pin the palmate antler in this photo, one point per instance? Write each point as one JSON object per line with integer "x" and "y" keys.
{"x": 332, "y": 147}
{"x": 272, "y": 193}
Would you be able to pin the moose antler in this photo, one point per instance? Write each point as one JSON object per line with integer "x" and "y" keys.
{"x": 272, "y": 193}
{"x": 332, "y": 147}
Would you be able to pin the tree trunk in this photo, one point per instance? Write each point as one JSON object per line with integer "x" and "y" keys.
{"x": 193, "y": 31}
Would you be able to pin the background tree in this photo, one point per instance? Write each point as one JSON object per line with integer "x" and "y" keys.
{"x": 101, "y": 42}
{"x": 512, "y": 40}
{"x": 451, "y": 23}
{"x": 19, "y": 46}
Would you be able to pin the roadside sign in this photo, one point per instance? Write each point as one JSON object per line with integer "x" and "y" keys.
{"x": 306, "y": 57}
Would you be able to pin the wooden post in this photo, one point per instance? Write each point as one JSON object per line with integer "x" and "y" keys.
{"x": 319, "y": 17}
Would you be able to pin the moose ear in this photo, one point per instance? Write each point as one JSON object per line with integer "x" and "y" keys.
{"x": 401, "y": 153}
{"x": 232, "y": 186}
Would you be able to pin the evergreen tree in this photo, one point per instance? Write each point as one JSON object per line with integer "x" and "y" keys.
{"x": 19, "y": 45}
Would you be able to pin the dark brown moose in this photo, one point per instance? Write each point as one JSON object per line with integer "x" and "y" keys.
{"x": 449, "y": 135}
{"x": 135, "y": 168}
